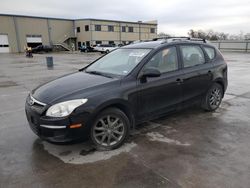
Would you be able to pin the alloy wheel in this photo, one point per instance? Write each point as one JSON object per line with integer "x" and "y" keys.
{"x": 109, "y": 130}
{"x": 215, "y": 98}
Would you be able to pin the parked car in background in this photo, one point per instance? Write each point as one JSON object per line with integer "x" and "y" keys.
{"x": 105, "y": 48}
{"x": 133, "y": 84}
{"x": 86, "y": 49}
{"x": 42, "y": 48}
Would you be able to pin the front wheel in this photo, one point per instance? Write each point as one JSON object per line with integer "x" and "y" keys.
{"x": 213, "y": 97}
{"x": 110, "y": 129}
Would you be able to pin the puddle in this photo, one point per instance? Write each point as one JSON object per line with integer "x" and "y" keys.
{"x": 154, "y": 136}
{"x": 83, "y": 153}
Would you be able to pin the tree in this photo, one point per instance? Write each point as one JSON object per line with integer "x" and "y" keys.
{"x": 247, "y": 36}
{"x": 208, "y": 35}
{"x": 162, "y": 35}
{"x": 191, "y": 33}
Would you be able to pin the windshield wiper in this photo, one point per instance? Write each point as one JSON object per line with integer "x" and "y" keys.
{"x": 99, "y": 73}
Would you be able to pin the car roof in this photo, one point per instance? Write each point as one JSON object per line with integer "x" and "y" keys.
{"x": 158, "y": 43}
{"x": 151, "y": 44}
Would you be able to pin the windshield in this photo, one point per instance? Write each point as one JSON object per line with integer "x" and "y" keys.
{"x": 119, "y": 62}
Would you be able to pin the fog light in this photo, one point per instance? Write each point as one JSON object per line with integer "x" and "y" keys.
{"x": 75, "y": 126}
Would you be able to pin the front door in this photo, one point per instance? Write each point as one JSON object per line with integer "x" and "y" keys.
{"x": 158, "y": 95}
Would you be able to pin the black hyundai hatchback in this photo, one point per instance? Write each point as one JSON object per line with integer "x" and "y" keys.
{"x": 126, "y": 87}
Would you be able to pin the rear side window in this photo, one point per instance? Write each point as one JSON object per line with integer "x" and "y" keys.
{"x": 210, "y": 52}
{"x": 192, "y": 55}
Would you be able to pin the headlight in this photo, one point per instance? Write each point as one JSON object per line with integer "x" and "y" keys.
{"x": 64, "y": 108}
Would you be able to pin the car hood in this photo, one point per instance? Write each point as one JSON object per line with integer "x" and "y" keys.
{"x": 72, "y": 86}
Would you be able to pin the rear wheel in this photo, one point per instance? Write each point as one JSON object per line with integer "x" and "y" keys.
{"x": 213, "y": 97}
{"x": 110, "y": 129}
{"x": 107, "y": 51}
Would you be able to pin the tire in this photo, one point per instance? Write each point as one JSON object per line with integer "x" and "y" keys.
{"x": 110, "y": 129}
{"x": 107, "y": 51}
{"x": 213, "y": 98}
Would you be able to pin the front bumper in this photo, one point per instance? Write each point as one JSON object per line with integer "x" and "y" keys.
{"x": 57, "y": 129}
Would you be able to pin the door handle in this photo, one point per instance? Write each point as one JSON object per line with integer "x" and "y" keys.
{"x": 209, "y": 72}
{"x": 179, "y": 80}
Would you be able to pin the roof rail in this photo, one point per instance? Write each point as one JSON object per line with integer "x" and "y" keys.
{"x": 165, "y": 38}
{"x": 172, "y": 39}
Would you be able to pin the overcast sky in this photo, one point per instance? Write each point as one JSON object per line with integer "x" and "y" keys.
{"x": 174, "y": 16}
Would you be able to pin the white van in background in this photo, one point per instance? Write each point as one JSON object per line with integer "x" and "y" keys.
{"x": 105, "y": 48}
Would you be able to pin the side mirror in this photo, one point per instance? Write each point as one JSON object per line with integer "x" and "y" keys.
{"x": 151, "y": 72}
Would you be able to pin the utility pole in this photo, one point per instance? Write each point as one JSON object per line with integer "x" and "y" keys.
{"x": 139, "y": 29}
{"x": 120, "y": 32}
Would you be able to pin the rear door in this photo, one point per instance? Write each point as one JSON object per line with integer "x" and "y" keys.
{"x": 197, "y": 69}
{"x": 158, "y": 95}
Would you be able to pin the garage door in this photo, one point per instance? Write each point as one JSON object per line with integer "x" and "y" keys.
{"x": 34, "y": 40}
{"x": 4, "y": 44}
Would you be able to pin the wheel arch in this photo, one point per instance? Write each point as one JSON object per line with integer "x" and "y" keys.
{"x": 121, "y": 105}
{"x": 220, "y": 81}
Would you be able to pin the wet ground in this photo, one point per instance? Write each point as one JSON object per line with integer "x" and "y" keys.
{"x": 192, "y": 148}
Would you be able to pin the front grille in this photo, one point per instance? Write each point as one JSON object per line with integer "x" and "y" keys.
{"x": 34, "y": 110}
{"x": 36, "y": 105}
{"x": 38, "y": 109}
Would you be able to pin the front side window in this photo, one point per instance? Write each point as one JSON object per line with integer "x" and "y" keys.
{"x": 165, "y": 60}
{"x": 210, "y": 52}
{"x": 118, "y": 62}
{"x": 192, "y": 55}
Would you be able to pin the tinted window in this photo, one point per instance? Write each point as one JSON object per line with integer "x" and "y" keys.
{"x": 130, "y": 29}
{"x": 210, "y": 52}
{"x": 192, "y": 55}
{"x": 119, "y": 62}
{"x": 165, "y": 60}
{"x": 111, "y": 42}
